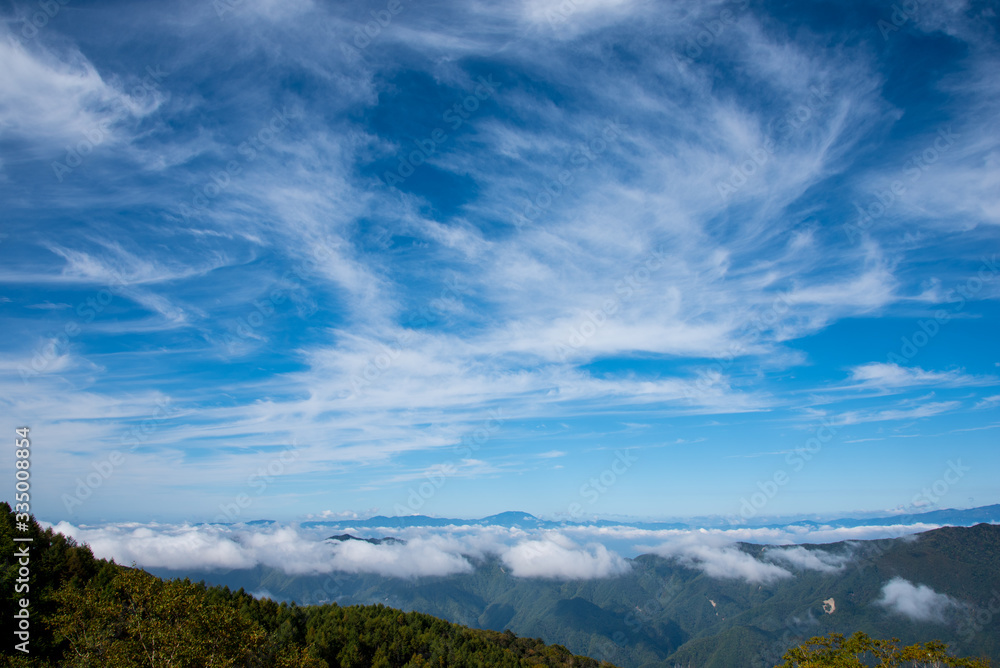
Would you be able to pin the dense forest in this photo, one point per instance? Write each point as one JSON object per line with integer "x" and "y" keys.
{"x": 88, "y": 612}
{"x": 662, "y": 612}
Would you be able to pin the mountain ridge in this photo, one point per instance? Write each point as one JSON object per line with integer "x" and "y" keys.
{"x": 512, "y": 519}
{"x": 665, "y": 611}
{"x": 103, "y": 614}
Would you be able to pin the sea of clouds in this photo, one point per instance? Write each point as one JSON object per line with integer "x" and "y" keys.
{"x": 568, "y": 553}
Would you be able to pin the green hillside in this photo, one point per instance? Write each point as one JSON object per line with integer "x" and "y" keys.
{"x": 87, "y": 612}
{"x": 662, "y": 613}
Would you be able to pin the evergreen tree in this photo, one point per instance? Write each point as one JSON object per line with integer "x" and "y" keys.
{"x": 861, "y": 651}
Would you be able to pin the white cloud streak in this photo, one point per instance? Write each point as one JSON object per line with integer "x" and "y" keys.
{"x": 889, "y": 376}
{"x": 915, "y": 601}
{"x": 716, "y": 559}
{"x": 811, "y": 560}
{"x": 557, "y": 557}
{"x": 571, "y": 553}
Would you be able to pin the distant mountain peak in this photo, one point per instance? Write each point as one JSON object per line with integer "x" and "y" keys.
{"x": 515, "y": 518}
{"x": 388, "y": 540}
{"x": 511, "y": 516}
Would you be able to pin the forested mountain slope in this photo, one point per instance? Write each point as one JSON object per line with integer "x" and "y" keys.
{"x": 665, "y": 611}
{"x": 91, "y": 612}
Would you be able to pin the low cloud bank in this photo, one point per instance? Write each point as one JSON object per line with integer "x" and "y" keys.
{"x": 808, "y": 560}
{"x": 786, "y": 535}
{"x": 164, "y": 546}
{"x": 293, "y": 551}
{"x": 296, "y": 551}
{"x": 416, "y": 558}
{"x": 555, "y": 556}
{"x": 570, "y": 553}
{"x": 918, "y": 602}
{"x": 716, "y": 559}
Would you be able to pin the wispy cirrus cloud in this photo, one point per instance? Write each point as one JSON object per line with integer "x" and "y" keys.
{"x": 923, "y": 410}
{"x": 55, "y": 95}
{"x": 889, "y": 376}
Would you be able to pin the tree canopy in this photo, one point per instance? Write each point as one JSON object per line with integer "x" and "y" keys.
{"x": 93, "y": 613}
{"x": 861, "y": 651}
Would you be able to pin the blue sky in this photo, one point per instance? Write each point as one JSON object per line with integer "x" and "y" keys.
{"x": 296, "y": 259}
